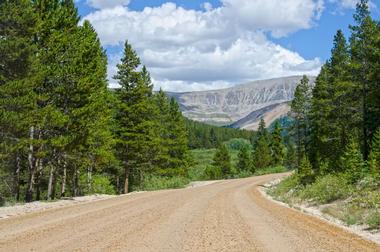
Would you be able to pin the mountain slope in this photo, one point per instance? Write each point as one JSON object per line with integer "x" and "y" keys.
{"x": 269, "y": 113}
{"x": 230, "y": 106}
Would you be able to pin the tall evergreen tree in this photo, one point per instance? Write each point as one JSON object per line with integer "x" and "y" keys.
{"x": 277, "y": 146}
{"x": 300, "y": 109}
{"x": 18, "y": 101}
{"x": 261, "y": 157}
{"x": 222, "y": 160}
{"x": 244, "y": 160}
{"x": 374, "y": 156}
{"x": 332, "y": 117}
{"x": 262, "y": 132}
{"x": 363, "y": 47}
{"x": 136, "y": 117}
{"x": 179, "y": 141}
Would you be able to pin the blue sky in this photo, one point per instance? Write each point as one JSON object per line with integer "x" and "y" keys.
{"x": 197, "y": 45}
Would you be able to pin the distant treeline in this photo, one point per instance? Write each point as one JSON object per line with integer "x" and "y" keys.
{"x": 206, "y": 136}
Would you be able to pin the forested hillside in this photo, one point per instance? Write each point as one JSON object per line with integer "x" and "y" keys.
{"x": 337, "y": 126}
{"x": 62, "y": 132}
{"x": 206, "y": 136}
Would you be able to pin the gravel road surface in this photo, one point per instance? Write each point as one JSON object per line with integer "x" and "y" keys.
{"x": 230, "y": 215}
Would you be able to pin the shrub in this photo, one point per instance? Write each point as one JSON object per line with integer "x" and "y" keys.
{"x": 373, "y": 221}
{"x": 100, "y": 185}
{"x": 327, "y": 189}
{"x": 151, "y": 183}
{"x": 305, "y": 172}
{"x": 238, "y": 144}
{"x": 213, "y": 173}
{"x": 284, "y": 189}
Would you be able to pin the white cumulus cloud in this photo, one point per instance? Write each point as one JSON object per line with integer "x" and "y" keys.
{"x": 215, "y": 47}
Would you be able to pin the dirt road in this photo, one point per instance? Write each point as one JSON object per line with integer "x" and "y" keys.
{"x": 225, "y": 216}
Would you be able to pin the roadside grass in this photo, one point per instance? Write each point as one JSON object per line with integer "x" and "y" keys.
{"x": 270, "y": 170}
{"x": 152, "y": 183}
{"x": 335, "y": 196}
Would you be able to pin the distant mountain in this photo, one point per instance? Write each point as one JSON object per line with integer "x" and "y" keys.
{"x": 241, "y": 106}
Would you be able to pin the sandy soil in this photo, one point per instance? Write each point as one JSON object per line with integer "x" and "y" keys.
{"x": 225, "y": 216}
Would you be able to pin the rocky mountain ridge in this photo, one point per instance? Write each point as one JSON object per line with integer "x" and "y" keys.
{"x": 241, "y": 106}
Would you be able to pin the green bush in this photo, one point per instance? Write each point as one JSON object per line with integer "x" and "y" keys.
{"x": 151, "y": 183}
{"x": 327, "y": 189}
{"x": 213, "y": 173}
{"x": 238, "y": 144}
{"x": 373, "y": 221}
{"x": 101, "y": 184}
{"x": 305, "y": 172}
{"x": 283, "y": 190}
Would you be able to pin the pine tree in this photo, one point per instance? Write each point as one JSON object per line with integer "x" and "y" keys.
{"x": 305, "y": 171}
{"x": 18, "y": 100}
{"x": 277, "y": 146}
{"x": 222, "y": 160}
{"x": 363, "y": 47}
{"x": 352, "y": 162}
{"x": 244, "y": 160}
{"x": 179, "y": 139}
{"x": 374, "y": 156}
{"x": 213, "y": 138}
{"x": 332, "y": 118}
{"x": 163, "y": 158}
{"x": 137, "y": 113}
{"x": 261, "y": 157}
{"x": 291, "y": 156}
{"x": 300, "y": 109}
{"x": 262, "y": 132}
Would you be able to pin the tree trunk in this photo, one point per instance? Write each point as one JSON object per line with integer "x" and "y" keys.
{"x": 50, "y": 184}
{"x": 54, "y": 186}
{"x": 118, "y": 184}
{"x": 75, "y": 182}
{"x": 37, "y": 182}
{"x": 17, "y": 177}
{"x": 126, "y": 182}
{"x": 38, "y": 178}
{"x": 32, "y": 170}
{"x": 63, "y": 185}
{"x": 89, "y": 179}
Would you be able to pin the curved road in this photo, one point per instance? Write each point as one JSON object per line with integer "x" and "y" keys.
{"x": 225, "y": 216}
